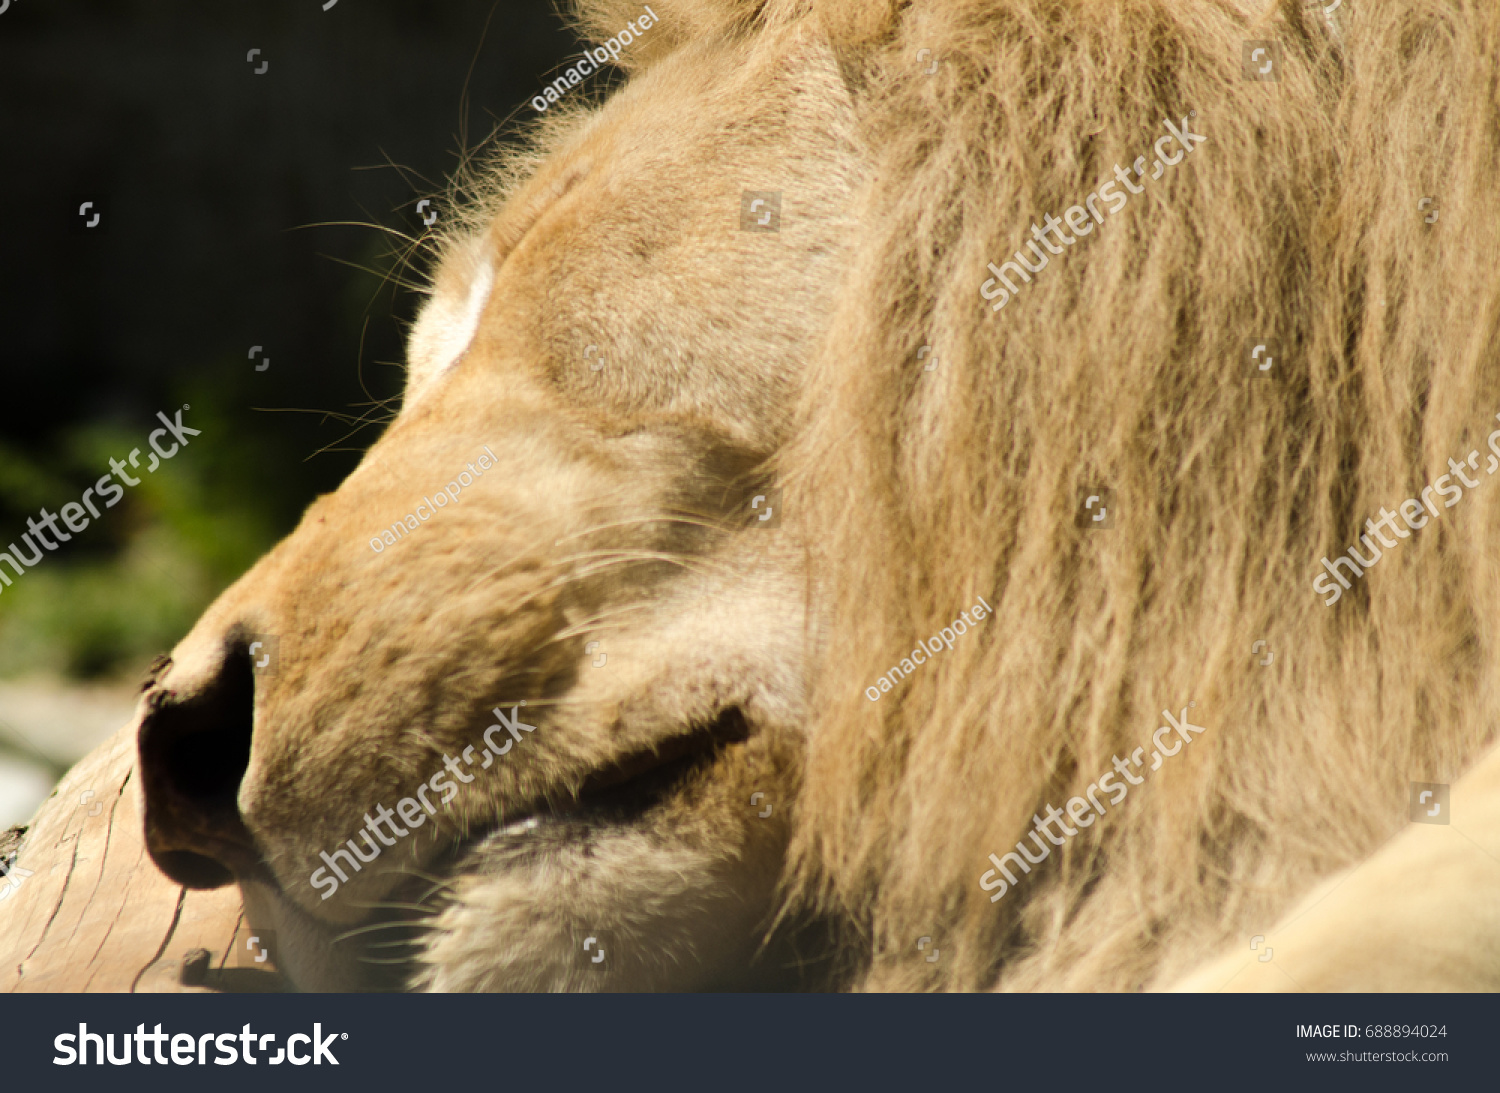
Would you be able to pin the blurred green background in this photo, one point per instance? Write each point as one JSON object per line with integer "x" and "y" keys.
{"x": 211, "y": 178}
{"x": 143, "y": 572}
{"x": 239, "y": 208}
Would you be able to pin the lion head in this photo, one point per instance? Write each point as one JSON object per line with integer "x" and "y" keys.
{"x": 598, "y": 672}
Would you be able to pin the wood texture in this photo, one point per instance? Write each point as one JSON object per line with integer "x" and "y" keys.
{"x": 95, "y": 914}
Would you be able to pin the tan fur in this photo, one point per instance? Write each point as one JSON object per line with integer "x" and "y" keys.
{"x": 1420, "y": 914}
{"x": 619, "y": 511}
{"x": 1123, "y": 364}
{"x": 617, "y": 514}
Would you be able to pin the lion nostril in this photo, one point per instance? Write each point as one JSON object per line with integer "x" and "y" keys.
{"x": 194, "y": 753}
{"x": 192, "y": 870}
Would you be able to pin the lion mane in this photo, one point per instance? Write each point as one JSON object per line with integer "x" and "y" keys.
{"x": 1336, "y": 224}
{"x": 1300, "y": 224}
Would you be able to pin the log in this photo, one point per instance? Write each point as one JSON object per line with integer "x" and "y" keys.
{"x": 87, "y": 910}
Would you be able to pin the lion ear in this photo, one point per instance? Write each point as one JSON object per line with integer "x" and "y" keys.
{"x": 447, "y": 323}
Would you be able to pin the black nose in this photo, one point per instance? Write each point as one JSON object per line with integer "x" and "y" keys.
{"x": 194, "y": 750}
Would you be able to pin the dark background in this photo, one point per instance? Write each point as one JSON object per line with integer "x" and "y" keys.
{"x": 221, "y": 191}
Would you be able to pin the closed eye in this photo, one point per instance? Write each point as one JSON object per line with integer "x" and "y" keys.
{"x": 514, "y": 224}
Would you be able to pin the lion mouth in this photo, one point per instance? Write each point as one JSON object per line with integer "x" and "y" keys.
{"x": 640, "y": 780}
{"x": 620, "y": 796}
{"x": 624, "y": 791}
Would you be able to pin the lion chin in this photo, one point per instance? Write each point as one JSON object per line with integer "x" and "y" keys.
{"x": 602, "y": 670}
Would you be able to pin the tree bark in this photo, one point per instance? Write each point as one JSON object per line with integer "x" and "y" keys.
{"x": 87, "y": 909}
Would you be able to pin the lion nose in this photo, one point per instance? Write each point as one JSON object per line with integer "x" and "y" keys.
{"x": 194, "y": 751}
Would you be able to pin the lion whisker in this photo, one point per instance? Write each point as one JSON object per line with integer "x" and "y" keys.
{"x": 531, "y": 549}
{"x": 665, "y": 517}
{"x": 615, "y": 558}
{"x": 591, "y": 624}
{"x": 385, "y": 906}
{"x": 372, "y": 927}
{"x": 388, "y": 963}
{"x": 358, "y": 224}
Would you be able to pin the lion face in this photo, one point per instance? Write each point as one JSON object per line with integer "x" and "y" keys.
{"x": 570, "y": 512}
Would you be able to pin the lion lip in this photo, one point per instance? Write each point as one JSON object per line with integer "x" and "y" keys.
{"x": 729, "y": 727}
{"x": 628, "y": 788}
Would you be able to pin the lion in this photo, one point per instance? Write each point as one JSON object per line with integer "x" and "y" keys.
{"x": 731, "y": 421}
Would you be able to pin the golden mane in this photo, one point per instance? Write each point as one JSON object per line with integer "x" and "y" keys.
{"x": 1297, "y": 224}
